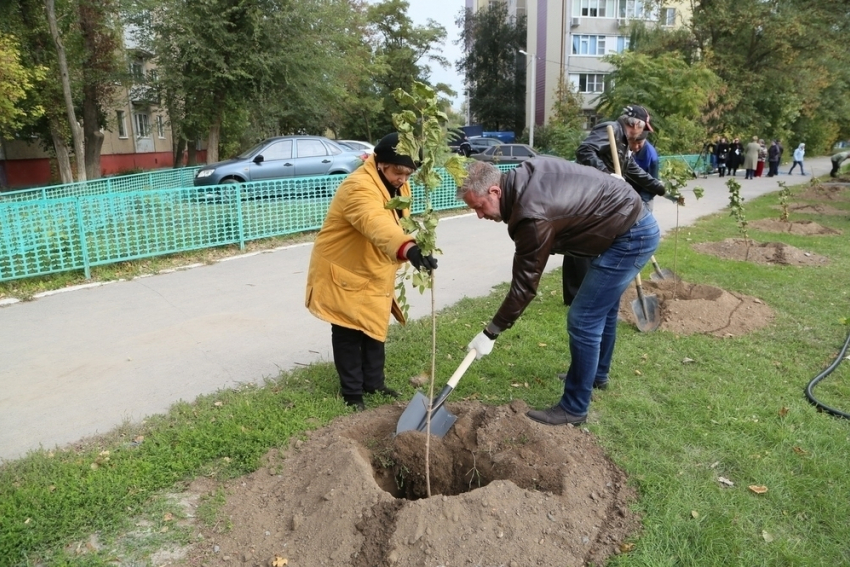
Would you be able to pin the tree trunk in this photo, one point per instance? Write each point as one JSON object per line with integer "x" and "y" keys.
{"x": 63, "y": 158}
{"x": 191, "y": 150}
{"x": 213, "y": 140}
{"x": 179, "y": 148}
{"x": 76, "y": 131}
{"x": 93, "y": 135}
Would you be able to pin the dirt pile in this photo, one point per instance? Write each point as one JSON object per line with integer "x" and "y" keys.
{"x": 506, "y": 491}
{"x": 761, "y": 252}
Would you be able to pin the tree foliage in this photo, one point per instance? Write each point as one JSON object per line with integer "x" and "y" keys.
{"x": 675, "y": 93}
{"x": 17, "y": 84}
{"x": 493, "y": 67}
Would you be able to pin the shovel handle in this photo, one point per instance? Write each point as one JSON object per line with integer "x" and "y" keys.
{"x": 614, "y": 157}
{"x": 470, "y": 356}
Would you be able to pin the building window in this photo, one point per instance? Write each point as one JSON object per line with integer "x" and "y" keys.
{"x": 137, "y": 71}
{"x": 589, "y": 82}
{"x": 588, "y": 45}
{"x": 631, "y": 9}
{"x": 622, "y": 43}
{"x": 591, "y": 119}
{"x": 668, "y": 16}
{"x": 143, "y": 126}
{"x": 160, "y": 126}
{"x": 122, "y": 125}
{"x": 592, "y": 8}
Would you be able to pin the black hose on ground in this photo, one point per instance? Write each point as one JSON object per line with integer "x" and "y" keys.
{"x": 810, "y": 388}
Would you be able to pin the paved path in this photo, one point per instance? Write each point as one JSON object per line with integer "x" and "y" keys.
{"x": 82, "y": 362}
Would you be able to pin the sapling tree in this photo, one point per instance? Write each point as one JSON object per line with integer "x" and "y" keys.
{"x": 784, "y": 197}
{"x": 422, "y": 135}
{"x": 675, "y": 175}
{"x": 736, "y": 205}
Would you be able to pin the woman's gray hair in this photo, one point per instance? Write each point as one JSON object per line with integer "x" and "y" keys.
{"x": 480, "y": 176}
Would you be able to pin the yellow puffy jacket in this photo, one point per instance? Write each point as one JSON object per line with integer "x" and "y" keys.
{"x": 351, "y": 280}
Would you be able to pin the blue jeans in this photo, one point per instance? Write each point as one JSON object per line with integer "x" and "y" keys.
{"x": 592, "y": 318}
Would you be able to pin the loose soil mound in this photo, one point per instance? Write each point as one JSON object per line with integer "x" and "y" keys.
{"x": 761, "y": 253}
{"x": 809, "y": 209}
{"x": 687, "y": 309}
{"x": 826, "y": 192}
{"x": 804, "y": 228}
{"x": 506, "y": 491}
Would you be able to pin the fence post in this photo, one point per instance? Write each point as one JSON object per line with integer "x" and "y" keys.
{"x": 83, "y": 247}
{"x": 239, "y": 222}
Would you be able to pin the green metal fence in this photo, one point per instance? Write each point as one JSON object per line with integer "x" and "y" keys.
{"x": 129, "y": 218}
{"x": 161, "y": 179}
{"x": 45, "y": 236}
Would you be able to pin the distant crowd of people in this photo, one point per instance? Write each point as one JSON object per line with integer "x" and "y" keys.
{"x": 726, "y": 157}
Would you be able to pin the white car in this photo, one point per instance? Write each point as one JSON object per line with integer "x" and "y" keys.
{"x": 357, "y": 145}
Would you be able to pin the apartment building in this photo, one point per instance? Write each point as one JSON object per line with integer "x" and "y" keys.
{"x": 138, "y": 135}
{"x": 572, "y": 36}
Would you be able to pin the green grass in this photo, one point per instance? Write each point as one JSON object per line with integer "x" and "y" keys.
{"x": 737, "y": 411}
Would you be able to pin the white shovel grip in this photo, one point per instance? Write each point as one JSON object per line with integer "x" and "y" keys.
{"x": 470, "y": 356}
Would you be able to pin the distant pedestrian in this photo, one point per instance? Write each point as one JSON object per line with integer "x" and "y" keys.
{"x": 751, "y": 158}
{"x": 736, "y": 156}
{"x": 836, "y": 162}
{"x": 773, "y": 155}
{"x": 762, "y": 158}
{"x": 799, "y": 154}
{"x": 722, "y": 153}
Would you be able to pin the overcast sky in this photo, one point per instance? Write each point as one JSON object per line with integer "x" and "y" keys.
{"x": 444, "y": 12}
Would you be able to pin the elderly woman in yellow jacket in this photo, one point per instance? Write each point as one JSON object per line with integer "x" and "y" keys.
{"x": 351, "y": 280}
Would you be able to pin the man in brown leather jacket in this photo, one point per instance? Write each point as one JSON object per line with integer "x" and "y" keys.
{"x": 552, "y": 206}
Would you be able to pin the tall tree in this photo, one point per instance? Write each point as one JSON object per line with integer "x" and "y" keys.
{"x": 405, "y": 51}
{"x": 493, "y": 68}
{"x": 675, "y": 93}
{"x": 17, "y": 84}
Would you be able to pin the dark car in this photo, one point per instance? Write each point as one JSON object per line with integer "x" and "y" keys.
{"x": 507, "y": 154}
{"x": 481, "y": 143}
{"x": 283, "y": 156}
{"x": 458, "y": 142}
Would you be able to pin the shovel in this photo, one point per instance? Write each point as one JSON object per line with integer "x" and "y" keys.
{"x": 415, "y": 416}
{"x": 645, "y": 307}
{"x": 660, "y": 273}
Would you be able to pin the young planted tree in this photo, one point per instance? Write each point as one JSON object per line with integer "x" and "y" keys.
{"x": 422, "y": 134}
{"x": 676, "y": 175}
{"x": 784, "y": 198}
{"x": 736, "y": 206}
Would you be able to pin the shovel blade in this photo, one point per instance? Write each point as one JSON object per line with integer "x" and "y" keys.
{"x": 650, "y": 319}
{"x": 415, "y": 417}
{"x": 662, "y": 274}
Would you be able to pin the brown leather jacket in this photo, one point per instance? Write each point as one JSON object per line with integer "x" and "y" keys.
{"x": 553, "y": 206}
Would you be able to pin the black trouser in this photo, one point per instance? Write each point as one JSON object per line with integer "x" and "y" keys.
{"x": 574, "y": 270}
{"x": 772, "y": 168}
{"x": 359, "y": 361}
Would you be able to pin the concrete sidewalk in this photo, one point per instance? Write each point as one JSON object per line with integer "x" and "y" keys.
{"x": 80, "y": 363}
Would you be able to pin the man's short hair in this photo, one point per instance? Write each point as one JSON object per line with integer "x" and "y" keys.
{"x": 480, "y": 176}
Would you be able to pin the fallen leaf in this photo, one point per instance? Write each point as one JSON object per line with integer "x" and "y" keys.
{"x": 168, "y": 517}
{"x": 757, "y": 488}
{"x": 279, "y": 561}
{"x": 724, "y": 480}
{"x": 644, "y": 356}
{"x": 800, "y": 451}
{"x": 766, "y": 536}
{"x": 627, "y": 547}
{"x": 694, "y": 514}
{"x": 638, "y": 373}
{"x": 541, "y": 344}
{"x": 218, "y": 404}
{"x": 687, "y": 360}
{"x": 783, "y": 411}
{"x": 515, "y": 385}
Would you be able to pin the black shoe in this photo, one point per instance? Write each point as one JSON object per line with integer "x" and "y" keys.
{"x": 598, "y": 384}
{"x": 355, "y": 402}
{"x": 384, "y": 391}
{"x": 555, "y": 416}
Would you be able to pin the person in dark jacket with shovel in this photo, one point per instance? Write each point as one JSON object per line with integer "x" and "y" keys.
{"x": 595, "y": 151}
{"x": 552, "y": 206}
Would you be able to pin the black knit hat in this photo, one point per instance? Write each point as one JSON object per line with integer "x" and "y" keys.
{"x": 385, "y": 152}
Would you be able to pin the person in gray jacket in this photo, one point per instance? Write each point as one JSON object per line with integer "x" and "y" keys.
{"x": 595, "y": 151}
{"x": 836, "y": 162}
{"x": 552, "y": 206}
